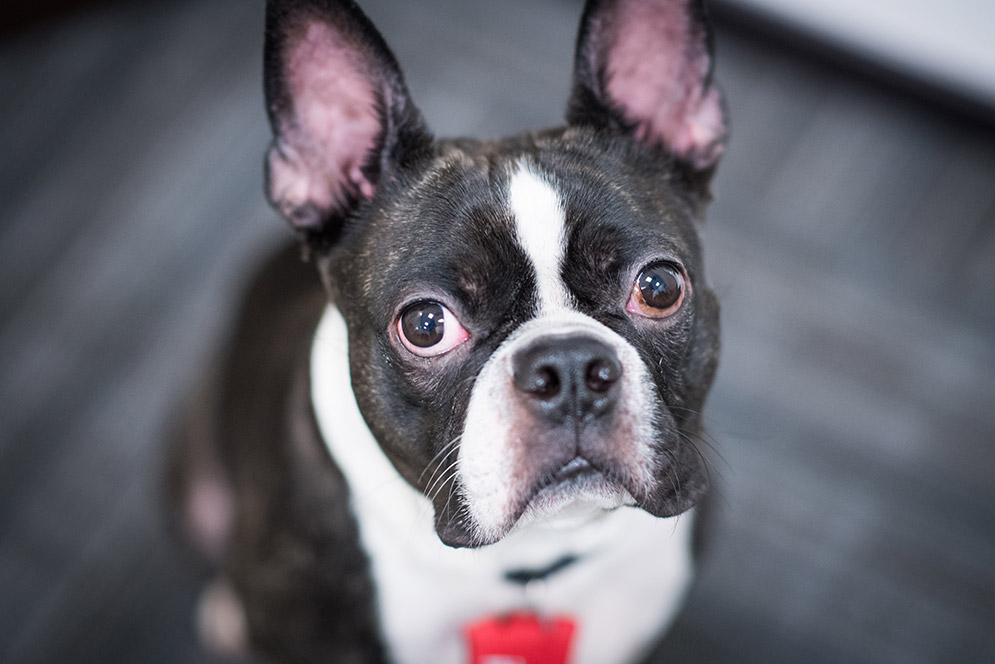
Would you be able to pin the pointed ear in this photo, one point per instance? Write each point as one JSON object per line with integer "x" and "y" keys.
{"x": 644, "y": 67}
{"x": 341, "y": 115}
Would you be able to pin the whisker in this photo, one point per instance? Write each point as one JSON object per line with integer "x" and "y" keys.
{"x": 449, "y": 499}
{"x": 437, "y": 480}
{"x": 673, "y": 472}
{"x": 693, "y": 438}
{"x": 440, "y": 481}
{"x": 445, "y": 448}
{"x": 705, "y": 419}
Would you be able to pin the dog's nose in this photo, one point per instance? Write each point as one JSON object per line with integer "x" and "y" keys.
{"x": 564, "y": 376}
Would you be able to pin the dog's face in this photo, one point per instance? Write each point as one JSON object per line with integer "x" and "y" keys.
{"x": 529, "y": 326}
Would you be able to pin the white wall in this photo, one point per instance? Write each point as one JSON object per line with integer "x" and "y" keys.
{"x": 948, "y": 42}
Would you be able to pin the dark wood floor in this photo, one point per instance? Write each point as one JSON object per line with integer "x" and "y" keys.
{"x": 852, "y": 242}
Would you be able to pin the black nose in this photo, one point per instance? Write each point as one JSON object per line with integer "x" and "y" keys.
{"x": 566, "y": 376}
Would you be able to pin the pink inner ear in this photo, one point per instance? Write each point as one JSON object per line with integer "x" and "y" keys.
{"x": 657, "y": 66}
{"x": 320, "y": 150}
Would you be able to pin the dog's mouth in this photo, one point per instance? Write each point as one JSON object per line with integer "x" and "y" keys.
{"x": 576, "y": 489}
{"x": 578, "y": 468}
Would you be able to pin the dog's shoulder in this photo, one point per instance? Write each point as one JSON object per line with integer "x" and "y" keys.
{"x": 288, "y": 545}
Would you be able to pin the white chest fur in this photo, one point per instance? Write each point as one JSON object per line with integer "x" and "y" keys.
{"x": 632, "y": 573}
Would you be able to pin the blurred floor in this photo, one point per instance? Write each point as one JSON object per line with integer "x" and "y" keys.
{"x": 852, "y": 243}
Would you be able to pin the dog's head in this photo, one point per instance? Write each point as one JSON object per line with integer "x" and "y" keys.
{"x": 530, "y": 330}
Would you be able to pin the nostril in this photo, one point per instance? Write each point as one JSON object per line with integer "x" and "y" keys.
{"x": 540, "y": 380}
{"x": 601, "y": 374}
{"x": 545, "y": 382}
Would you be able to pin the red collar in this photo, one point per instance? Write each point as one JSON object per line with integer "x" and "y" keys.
{"x": 520, "y": 638}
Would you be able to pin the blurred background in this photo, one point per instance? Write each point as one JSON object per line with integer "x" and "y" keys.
{"x": 852, "y": 243}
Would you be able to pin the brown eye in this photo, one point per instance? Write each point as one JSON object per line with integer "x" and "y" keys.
{"x": 658, "y": 291}
{"x": 428, "y": 329}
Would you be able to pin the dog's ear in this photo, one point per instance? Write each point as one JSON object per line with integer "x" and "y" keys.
{"x": 644, "y": 67}
{"x": 341, "y": 115}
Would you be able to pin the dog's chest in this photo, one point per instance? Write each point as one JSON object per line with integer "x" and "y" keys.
{"x": 623, "y": 590}
{"x": 629, "y": 578}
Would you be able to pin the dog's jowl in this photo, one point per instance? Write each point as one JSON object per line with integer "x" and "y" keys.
{"x": 473, "y": 435}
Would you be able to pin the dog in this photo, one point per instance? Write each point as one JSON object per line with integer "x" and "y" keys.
{"x": 472, "y": 436}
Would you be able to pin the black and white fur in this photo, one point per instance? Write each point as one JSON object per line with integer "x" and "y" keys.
{"x": 364, "y": 503}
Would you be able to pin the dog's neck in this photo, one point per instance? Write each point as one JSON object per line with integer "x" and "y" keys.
{"x": 412, "y": 565}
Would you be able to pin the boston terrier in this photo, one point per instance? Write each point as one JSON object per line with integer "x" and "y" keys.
{"x": 474, "y": 435}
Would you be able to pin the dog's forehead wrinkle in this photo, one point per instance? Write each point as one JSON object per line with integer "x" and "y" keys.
{"x": 598, "y": 187}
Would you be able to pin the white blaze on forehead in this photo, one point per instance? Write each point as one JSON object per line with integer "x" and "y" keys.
{"x": 540, "y": 228}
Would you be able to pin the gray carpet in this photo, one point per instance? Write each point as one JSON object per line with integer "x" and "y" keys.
{"x": 852, "y": 242}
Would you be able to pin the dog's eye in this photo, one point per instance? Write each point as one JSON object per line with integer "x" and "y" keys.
{"x": 428, "y": 329}
{"x": 658, "y": 291}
